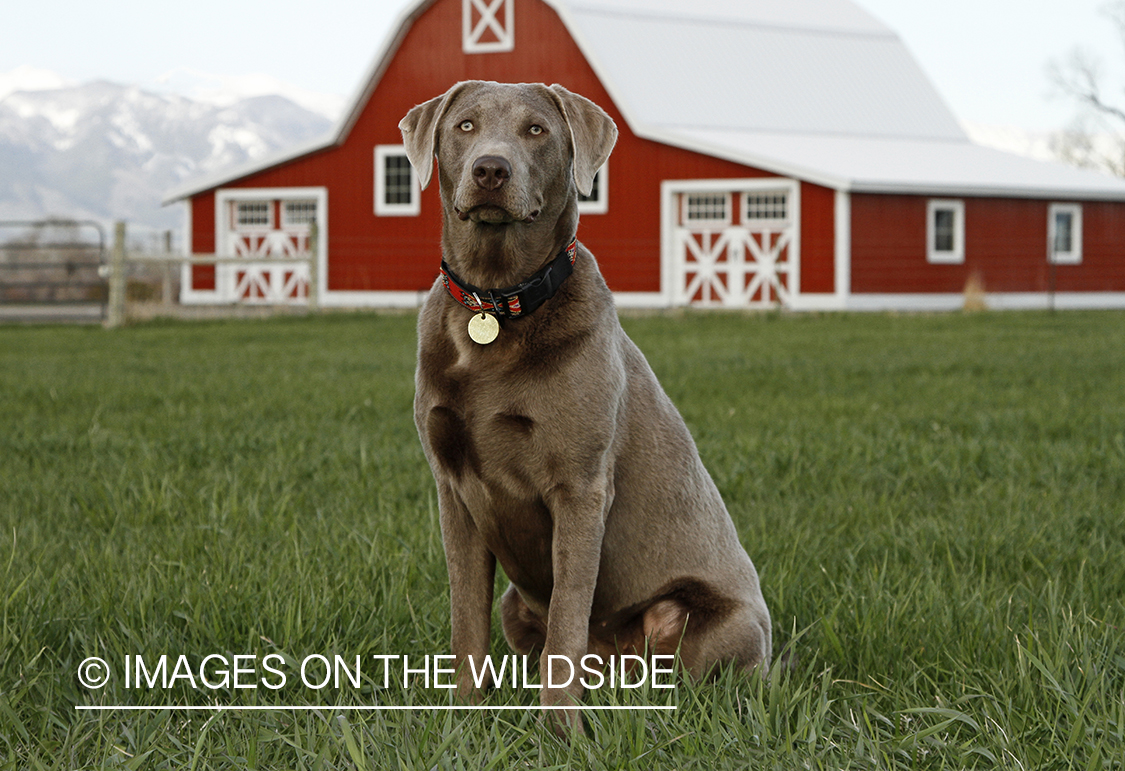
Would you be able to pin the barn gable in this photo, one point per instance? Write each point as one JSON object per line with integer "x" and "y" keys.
{"x": 759, "y": 141}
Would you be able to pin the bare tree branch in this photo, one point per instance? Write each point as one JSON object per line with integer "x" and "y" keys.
{"x": 1079, "y": 146}
{"x": 1079, "y": 77}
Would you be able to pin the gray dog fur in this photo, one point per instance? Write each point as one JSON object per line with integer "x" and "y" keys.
{"x": 554, "y": 448}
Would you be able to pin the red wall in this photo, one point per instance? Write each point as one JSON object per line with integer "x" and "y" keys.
{"x": 1005, "y": 242}
{"x": 1103, "y": 247}
{"x": 818, "y": 228}
{"x": 403, "y": 253}
{"x": 203, "y": 239}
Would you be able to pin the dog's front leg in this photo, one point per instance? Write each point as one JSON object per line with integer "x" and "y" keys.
{"x": 472, "y": 568}
{"x": 579, "y": 525}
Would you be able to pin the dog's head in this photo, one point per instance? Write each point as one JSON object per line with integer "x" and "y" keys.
{"x": 508, "y": 153}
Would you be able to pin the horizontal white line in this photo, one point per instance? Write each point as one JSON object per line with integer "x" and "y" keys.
{"x": 363, "y": 708}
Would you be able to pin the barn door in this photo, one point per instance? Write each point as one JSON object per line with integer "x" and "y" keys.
{"x": 270, "y": 231}
{"x": 734, "y": 247}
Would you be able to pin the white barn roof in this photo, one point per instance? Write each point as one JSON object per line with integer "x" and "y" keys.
{"x": 816, "y": 89}
{"x": 908, "y": 166}
{"x": 800, "y": 66}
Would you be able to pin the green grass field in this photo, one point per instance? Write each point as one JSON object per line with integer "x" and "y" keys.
{"x": 936, "y": 505}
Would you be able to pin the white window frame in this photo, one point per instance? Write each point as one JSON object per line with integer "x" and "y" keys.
{"x": 236, "y": 215}
{"x": 685, "y": 207}
{"x": 287, "y": 221}
{"x": 489, "y": 19}
{"x": 744, "y": 207}
{"x": 600, "y": 204}
{"x": 1074, "y": 255}
{"x": 410, "y": 209}
{"x": 953, "y": 256}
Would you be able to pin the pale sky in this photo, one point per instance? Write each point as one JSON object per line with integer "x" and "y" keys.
{"x": 988, "y": 58}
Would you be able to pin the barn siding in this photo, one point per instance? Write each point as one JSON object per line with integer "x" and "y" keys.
{"x": 1005, "y": 243}
{"x": 203, "y": 239}
{"x": 1103, "y": 260}
{"x": 367, "y": 252}
{"x": 818, "y": 233}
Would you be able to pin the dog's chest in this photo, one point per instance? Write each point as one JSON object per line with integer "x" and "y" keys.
{"x": 493, "y": 448}
{"x": 480, "y": 425}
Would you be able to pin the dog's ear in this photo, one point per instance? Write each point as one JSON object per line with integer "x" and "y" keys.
{"x": 592, "y": 135}
{"x": 419, "y": 132}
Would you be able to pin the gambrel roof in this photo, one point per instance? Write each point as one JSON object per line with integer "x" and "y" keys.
{"x": 794, "y": 67}
{"x": 815, "y": 89}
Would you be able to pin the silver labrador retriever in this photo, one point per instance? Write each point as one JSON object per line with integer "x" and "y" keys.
{"x": 555, "y": 450}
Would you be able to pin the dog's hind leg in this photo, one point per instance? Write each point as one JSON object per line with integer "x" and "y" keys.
{"x": 663, "y": 623}
{"x": 739, "y": 638}
{"x": 706, "y": 628}
{"x": 524, "y": 631}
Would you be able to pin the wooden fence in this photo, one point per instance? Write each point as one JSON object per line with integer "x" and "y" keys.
{"x": 121, "y": 258}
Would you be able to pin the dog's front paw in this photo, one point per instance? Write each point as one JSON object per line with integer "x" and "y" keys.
{"x": 564, "y": 717}
{"x": 471, "y": 688}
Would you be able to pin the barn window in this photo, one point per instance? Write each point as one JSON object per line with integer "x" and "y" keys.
{"x": 1064, "y": 233}
{"x": 597, "y": 202}
{"x": 759, "y": 207}
{"x": 253, "y": 214}
{"x": 945, "y": 231}
{"x": 298, "y": 213}
{"x": 706, "y": 209}
{"x": 396, "y": 186}
{"x": 487, "y": 26}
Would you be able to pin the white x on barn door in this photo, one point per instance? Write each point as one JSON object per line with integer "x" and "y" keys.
{"x": 733, "y": 247}
{"x": 269, "y": 225}
{"x": 270, "y": 283}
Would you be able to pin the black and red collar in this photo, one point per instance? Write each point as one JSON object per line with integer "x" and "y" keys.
{"x": 518, "y": 300}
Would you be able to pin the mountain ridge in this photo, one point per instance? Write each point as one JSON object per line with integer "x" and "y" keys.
{"x": 107, "y": 151}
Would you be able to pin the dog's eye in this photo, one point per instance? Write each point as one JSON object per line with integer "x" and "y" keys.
{"x": 466, "y": 125}
{"x": 535, "y": 130}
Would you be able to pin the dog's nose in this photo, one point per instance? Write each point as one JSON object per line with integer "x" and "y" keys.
{"x": 491, "y": 172}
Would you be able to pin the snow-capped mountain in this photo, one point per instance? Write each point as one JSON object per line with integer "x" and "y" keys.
{"x": 226, "y": 90}
{"x": 106, "y": 151}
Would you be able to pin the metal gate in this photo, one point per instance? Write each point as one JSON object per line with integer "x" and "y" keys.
{"x": 52, "y": 270}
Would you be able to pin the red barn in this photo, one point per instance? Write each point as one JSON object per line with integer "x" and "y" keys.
{"x": 770, "y": 154}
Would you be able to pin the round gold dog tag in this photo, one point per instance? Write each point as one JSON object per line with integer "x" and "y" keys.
{"x": 483, "y": 328}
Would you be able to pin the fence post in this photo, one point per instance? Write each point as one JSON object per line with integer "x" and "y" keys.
{"x": 1052, "y": 265}
{"x": 166, "y": 277}
{"x": 115, "y": 313}
{"x": 314, "y": 248}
